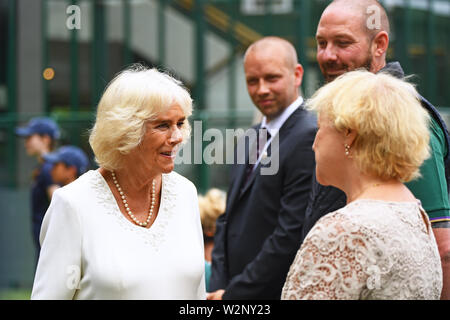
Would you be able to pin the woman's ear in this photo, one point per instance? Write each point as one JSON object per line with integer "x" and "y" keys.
{"x": 349, "y": 137}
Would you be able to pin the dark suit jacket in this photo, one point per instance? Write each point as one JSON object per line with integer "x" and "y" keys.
{"x": 258, "y": 236}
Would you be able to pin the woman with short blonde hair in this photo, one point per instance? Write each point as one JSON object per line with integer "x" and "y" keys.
{"x": 121, "y": 118}
{"x": 372, "y": 137}
{"x": 392, "y": 127}
{"x": 131, "y": 229}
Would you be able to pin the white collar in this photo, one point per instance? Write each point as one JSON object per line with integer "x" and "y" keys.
{"x": 274, "y": 126}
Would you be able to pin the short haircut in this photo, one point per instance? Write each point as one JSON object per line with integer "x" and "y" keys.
{"x": 390, "y": 122}
{"x": 361, "y": 7}
{"x": 286, "y": 48}
{"x": 135, "y": 96}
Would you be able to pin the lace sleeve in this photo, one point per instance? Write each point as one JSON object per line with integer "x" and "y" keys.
{"x": 330, "y": 263}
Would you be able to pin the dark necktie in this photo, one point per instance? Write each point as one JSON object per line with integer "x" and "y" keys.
{"x": 262, "y": 136}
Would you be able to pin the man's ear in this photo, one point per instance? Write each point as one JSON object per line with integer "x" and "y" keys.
{"x": 298, "y": 72}
{"x": 380, "y": 44}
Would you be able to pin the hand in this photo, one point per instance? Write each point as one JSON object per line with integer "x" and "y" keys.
{"x": 216, "y": 295}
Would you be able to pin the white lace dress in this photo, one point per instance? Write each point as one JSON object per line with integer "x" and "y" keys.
{"x": 370, "y": 249}
{"x": 91, "y": 251}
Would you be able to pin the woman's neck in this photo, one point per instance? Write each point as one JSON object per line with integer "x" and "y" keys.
{"x": 134, "y": 181}
{"x": 371, "y": 187}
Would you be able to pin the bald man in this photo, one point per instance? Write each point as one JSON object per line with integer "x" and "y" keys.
{"x": 258, "y": 236}
{"x": 355, "y": 34}
{"x": 352, "y": 35}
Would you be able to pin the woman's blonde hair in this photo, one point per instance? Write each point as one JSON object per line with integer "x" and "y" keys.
{"x": 391, "y": 125}
{"x": 135, "y": 96}
{"x": 211, "y": 205}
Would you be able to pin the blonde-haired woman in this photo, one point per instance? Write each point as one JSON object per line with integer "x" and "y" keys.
{"x": 372, "y": 137}
{"x": 131, "y": 229}
{"x": 211, "y": 205}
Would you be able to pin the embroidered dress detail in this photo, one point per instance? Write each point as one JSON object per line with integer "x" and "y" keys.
{"x": 368, "y": 250}
{"x": 154, "y": 235}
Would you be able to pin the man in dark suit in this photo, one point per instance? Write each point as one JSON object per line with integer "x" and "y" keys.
{"x": 258, "y": 236}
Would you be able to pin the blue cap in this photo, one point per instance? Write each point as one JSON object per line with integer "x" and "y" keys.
{"x": 40, "y": 125}
{"x": 71, "y": 156}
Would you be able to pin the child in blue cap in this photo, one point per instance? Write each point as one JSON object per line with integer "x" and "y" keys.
{"x": 40, "y": 136}
{"x": 69, "y": 162}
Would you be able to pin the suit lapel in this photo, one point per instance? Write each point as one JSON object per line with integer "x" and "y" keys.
{"x": 250, "y": 180}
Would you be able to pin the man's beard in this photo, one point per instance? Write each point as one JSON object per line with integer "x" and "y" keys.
{"x": 367, "y": 64}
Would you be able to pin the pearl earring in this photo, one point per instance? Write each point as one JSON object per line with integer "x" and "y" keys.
{"x": 347, "y": 149}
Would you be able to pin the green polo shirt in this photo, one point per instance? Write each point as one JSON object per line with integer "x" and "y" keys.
{"x": 431, "y": 188}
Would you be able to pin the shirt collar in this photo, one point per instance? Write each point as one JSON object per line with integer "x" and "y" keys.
{"x": 274, "y": 126}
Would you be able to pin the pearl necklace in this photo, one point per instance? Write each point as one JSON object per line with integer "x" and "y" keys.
{"x": 127, "y": 208}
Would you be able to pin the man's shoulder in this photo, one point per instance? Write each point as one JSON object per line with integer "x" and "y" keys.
{"x": 303, "y": 119}
{"x": 302, "y": 125}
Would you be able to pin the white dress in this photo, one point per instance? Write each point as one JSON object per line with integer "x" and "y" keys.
{"x": 91, "y": 251}
{"x": 370, "y": 249}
